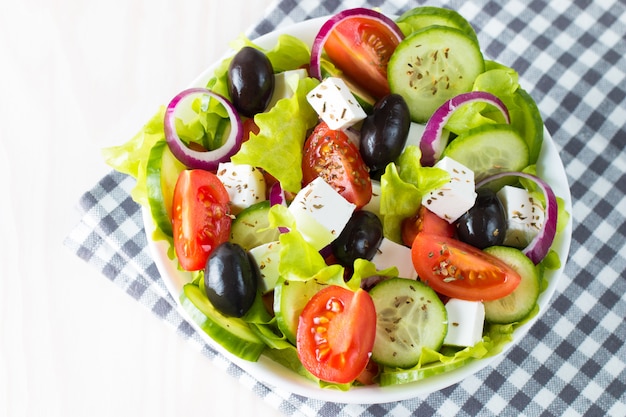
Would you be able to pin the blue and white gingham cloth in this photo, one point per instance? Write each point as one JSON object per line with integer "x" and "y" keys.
{"x": 571, "y": 58}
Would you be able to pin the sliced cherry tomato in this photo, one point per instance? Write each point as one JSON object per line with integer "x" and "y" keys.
{"x": 336, "y": 332}
{"x": 201, "y": 217}
{"x": 459, "y": 270}
{"x": 330, "y": 154}
{"x": 425, "y": 221}
{"x": 361, "y": 48}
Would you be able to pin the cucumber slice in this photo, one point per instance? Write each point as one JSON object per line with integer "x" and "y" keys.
{"x": 290, "y": 298}
{"x": 424, "y": 16}
{"x": 231, "y": 333}
{"x": 433, "y": 65}
{"x": 528, "y": 122}
{"x": 247, "y": 228}
{"x": 162, "y": 172}
{"x": 517, "y": 305}
{"x": 409, "y": 316}
{"x": 489, "y": 149}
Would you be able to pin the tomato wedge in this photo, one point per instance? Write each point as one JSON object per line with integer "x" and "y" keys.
{"x": 458, "y": 270}
{"x": 425, "y": 221}
{"x": 336, "y": 332}
{"x": 201, "y": 217}
{"x": 330, "y": 154}
{"x": 361, "y": 48}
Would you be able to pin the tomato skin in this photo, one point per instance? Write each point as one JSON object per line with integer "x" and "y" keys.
{"x": 361, "y": 48}
{"x": 458, "y": 270}
{"x": 330, "y": 154}
{"x": 425, "y": 221}
{"x": 336, "y": 332}
{"x": 201, "y": 217}
{"x": 249, "y": 127}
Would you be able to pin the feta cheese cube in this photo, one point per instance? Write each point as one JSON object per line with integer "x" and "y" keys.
{"x": 285, "y": 84}
{"x": 245, "y": 184}
{"x": 465, "y": 322}
{"x": 320, "y": 212}
{"x": 457, "y": 196}
{"x": 267, "y": 257}
{"x": 390, "y": 254}
{"x": 524, "y": 215}
{"x": 334, "y": 103}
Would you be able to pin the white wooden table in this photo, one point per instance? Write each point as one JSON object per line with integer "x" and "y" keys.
{"x": 75, "y": 77}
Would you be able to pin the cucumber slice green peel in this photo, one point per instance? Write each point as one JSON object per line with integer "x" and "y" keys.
{"x": 489, "y": 149}
{"x": 251, "y": 227}
{"x": 433, "y": 65}
{"x": 162, "y": 171}
{"x": 232, "y": 334}
{"x": 424, "y": 16}
{"x": 521, "y": 302}
{"x": 410, "y": 317}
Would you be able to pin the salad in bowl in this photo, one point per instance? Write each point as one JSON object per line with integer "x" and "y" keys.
{"x": 356, "y": 208}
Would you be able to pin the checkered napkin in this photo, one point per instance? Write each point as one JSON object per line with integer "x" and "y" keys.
{"x": 570, "y": 56}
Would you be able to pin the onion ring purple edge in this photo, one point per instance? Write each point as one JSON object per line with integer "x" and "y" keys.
{"x": 539, "y": 247}
{"x": 277, "y": 196}
{"x": 320, "y": 39}
{"x": 208, "y": 160}
{"x": 431, "y": 137}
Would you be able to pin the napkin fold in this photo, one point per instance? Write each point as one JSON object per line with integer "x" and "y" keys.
{"x": 571, "y": 58}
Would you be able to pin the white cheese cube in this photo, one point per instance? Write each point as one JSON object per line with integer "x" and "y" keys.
{"x": 457, "y": 196}
{"x": 267, "y": 257}
{"x": 285, "y": 84}
{"x": 320, "y": 212}
{"x": 390, "y": 254}
{"x": 245, "y": 184}
{"x": 465, "y": 322}
{"x": 524, "y": 215}
{"x": 334, "y": 103}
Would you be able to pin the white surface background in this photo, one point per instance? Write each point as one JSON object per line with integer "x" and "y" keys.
{"x": 77, "y": 76}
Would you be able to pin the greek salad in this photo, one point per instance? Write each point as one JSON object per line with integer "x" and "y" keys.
{"x": 364, "y": 209}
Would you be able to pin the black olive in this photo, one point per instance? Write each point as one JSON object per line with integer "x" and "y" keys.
{"x": 250, "y": 81}
{"x": 484, "y": 224}
{"x": 385, "y": 131}
{"x": 231, "y": 279}
{"x": 360, "y": 238}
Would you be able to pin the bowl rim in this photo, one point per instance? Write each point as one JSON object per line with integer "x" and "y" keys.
{"x": 276, "y": 376}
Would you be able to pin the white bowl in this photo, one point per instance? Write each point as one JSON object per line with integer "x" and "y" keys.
{"x": 549, "y": 167}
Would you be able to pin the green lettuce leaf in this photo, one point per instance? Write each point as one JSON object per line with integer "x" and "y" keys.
{"x": 498, "y": 80}
{"x": 277, "y": 148}
{"x": 131, "y": 158}
{"x": 289, "y": 52}
{"x": 299, "y": 261}
{"x": 403, "y": 185}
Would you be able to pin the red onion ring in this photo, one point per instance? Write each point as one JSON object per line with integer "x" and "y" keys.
{"x": 539, "y": 247}
{"x": 208, "y": 160}
{"x": 277, "y": 196}
{"x": 318, "y": 44}
{"x": 432, "y": 143}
